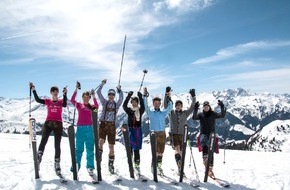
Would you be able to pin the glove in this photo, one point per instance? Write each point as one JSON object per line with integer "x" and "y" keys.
{"x": 192, "y": 92}
{"x": 221, "y": 104}
{"x": 130, "y": 93}
{"x": 31, "y": 86}
{"x": 168, "y": 89}
{"x": 145, "y": 92}
{"x": 104, "y": 81}
{"x": 196, "y": 106}
{"x": 139, "y": 94}
{"x": 64, "y": 91}
{"x": 78, "y": 85}
{"x": 168, "y": 99}
{"x": 118, "y": 88}
{"x": 92, "y": 92}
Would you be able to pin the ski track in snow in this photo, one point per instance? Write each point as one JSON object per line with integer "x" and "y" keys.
{"x": 244, "y": 170}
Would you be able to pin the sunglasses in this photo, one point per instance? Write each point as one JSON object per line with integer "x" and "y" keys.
{"x": 111, "y": 94}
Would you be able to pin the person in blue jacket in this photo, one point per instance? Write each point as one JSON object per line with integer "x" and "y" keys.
{"x": 157, "y": 123}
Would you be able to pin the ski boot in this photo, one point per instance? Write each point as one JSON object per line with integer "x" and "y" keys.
{"x": 91, "y": 171}
{"x": 57, "y": 166}
{"x": 137, "y": 168}
{"x": 39, "y": 158}
{"x": 111, "y": 166}
{"x": 159, "y": 168}
{"x": 210, "y": 172}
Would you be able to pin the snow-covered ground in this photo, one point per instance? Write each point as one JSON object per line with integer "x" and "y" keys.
{"x": 243, "y": 169}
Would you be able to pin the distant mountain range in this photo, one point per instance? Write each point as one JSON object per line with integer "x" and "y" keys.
{"x": 251, "y": 117}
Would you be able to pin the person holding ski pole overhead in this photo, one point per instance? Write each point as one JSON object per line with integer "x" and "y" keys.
{"x": 108, "y": 121}
{"x": 135, "y": 113}
{"x": 157, "y": 123}
{"x": 178, "y": 119}
{"x": 53, "y": 123}
{"x": 207, "y": 120}
{"x": 85, "y": 132}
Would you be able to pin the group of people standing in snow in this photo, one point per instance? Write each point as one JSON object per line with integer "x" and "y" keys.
{"x": 107, "y": 126}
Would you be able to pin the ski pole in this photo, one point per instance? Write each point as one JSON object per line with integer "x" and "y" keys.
{"x": 145, "y": 72}
{"x": 97, "y": 87}
{"x": 225, "y": 154}
{"x": 197, "y": 177}
{"x": 122, "y": 60}
{"x": 29, "y": 114}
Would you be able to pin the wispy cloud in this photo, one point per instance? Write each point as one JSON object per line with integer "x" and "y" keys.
{"x": 183, "y": 6}
{"x": 231, "y": 52}
{"x": 274, "y": 80}
{"x": 89, "y": 33}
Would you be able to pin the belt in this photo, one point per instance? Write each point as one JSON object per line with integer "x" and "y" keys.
{"x": 108, "y": 122}
{"x": 159, "y": 132}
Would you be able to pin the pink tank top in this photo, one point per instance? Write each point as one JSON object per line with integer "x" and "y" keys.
{"x": 54, "y": 110}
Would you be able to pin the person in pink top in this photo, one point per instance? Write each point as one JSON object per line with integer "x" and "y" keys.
{"x": 85, "y": 132}
{"x": 53, "y": 122}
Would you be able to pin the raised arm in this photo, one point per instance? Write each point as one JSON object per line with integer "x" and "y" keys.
{"x": 223, "y": 110}
{"x": 99, "y": 93}
{"x": 64, "y": 100}
{"x": 73, "y": 98}
{"x": 168, "y": 101}
{"x": 125, "y": 104}
{"x": 145, "y": 95}
{"x": 120, "y": 100}
{"x": 142, "y": 106}
{"x": 95, "y": 99}
{"x": 37, "y": 99}
{"x": 195, "y": 115}
{"x": 168, "y": 109}
{"x": 191, "y": 108}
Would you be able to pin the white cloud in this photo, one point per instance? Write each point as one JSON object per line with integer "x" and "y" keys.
{"x": 88, "y": 33}
{"x": 234, "y": 51}
{"x": 182, "y": 6}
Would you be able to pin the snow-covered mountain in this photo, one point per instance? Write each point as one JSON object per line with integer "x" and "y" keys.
{"x": 273, "y": 137}
{"x": 247, "y": 113}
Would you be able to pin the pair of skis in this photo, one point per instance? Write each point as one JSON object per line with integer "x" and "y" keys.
{"x": 154, "y": 156}
{"x": 210, "y": 158}
{"x": 71, "y": 135}
{"x": 125, "y": 132}
{"x": 32, "y": 138}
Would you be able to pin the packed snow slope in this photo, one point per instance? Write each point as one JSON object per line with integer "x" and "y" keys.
{"x": 244, "y": 170}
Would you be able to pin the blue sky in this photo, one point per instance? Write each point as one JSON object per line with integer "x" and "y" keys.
{"x": 204, "y": 44}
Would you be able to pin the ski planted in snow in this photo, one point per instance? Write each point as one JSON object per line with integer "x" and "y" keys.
{"x": 154, "y": 156}
{"x": 97, "y": 153}
{"x": 71, "y": 137}
{"x": 183, "y": 153}
{"x": 125, "y": 131}
{"x": 210, "y": 155}
{"x": 32, "y": 126}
